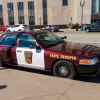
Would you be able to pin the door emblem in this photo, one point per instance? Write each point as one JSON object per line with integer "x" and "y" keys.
{"x": 28, "y": 57}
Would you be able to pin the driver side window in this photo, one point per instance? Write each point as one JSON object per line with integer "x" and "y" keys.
{"x": 26, "y": 41}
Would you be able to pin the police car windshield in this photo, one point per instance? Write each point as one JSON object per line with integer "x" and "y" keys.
{"x": 48, "y": 40}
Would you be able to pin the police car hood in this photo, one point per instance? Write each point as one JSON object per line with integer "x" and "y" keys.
{"x": 75, "y": 47}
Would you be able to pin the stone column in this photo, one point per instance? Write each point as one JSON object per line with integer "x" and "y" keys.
{"x": 26, "y": 12}
{"x": 16, "y": 12}
{"x": 78, "y": 11}
{"x": 5, "y": 12}
{"x": 38, "y": 12}
{"x": 87, "y": 12}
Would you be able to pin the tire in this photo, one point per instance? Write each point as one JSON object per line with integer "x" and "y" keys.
{"x": 64, "y": 69}
{"x": 1, "y": 65}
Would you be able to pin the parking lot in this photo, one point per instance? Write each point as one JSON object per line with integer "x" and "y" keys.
{"x": 27, "y": 84}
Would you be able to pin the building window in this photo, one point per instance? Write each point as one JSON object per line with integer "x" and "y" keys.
{"x": 95, "y": 10}
{"x": 20, "y": 6}
{"x": 45, "y": 19}
{"x": 10, "y": 13}
{"x": 31, "y": 13}
{"x": 1, "y": 15}
{"x": 65, "y": 2}
{"x": 95, "y": 7}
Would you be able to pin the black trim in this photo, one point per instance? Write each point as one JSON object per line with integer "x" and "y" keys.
{"x": 87, "y": 69}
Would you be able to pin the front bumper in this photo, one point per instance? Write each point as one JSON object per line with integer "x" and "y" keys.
{"x": 89, "y": 69}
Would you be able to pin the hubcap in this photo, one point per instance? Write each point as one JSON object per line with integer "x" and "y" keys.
{"x": 63, "y": 71}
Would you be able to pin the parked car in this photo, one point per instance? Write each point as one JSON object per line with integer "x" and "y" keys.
{"x": 94, "y": 27}
{"x": 51, "y": 28}
{"x": 16, "y": 28}
{"x": 48, "y": 52}
{"x": 3, "y": 28}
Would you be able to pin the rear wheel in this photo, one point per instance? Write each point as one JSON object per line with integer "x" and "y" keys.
{"x": 64, "y": 69}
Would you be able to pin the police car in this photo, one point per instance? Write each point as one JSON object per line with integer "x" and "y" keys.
{"x": 48, "y": 52}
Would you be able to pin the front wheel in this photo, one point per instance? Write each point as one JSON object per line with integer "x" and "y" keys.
{"x": 64, "y": 69}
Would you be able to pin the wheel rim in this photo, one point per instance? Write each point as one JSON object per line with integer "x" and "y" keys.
{"x": 63, "y": 71}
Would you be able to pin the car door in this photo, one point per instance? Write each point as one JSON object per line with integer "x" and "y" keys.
{"x": 28, "y": 55}
{"x": 7, "y": 42}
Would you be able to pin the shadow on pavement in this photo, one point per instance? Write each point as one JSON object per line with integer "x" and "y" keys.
{"x": 31, "y": 70}
{"x": 3, "y": 87}
{"x": 91, "y": 79}
{"x": 3, "y": 68}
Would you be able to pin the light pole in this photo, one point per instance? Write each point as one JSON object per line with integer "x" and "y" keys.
{"x": 40, "y": 20}
{"x": 82, "y": 4}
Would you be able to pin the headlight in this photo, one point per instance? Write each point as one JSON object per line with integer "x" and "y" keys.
{"x": 92, "y": 61}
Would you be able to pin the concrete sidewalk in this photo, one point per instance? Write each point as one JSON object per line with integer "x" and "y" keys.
{"x": 31, "y": 86}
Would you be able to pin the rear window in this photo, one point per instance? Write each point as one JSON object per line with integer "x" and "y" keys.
{"x": 8, "y": 39}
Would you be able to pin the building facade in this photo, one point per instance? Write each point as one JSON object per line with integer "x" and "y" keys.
{"x": 44, "y": 12}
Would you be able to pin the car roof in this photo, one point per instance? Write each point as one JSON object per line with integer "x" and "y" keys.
{"x": 26, "y": 32}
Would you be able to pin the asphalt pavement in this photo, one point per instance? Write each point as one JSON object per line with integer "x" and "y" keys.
{"x": 30, "y": 85}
